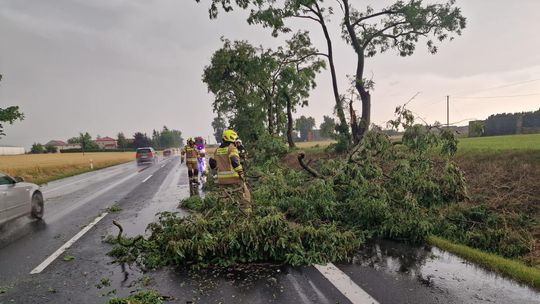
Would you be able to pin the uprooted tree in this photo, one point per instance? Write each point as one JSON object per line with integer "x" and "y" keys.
{"x": 399, "y": 26}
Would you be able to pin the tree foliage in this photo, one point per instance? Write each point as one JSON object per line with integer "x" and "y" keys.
{"x": 399, "y": 26}
{"x": 141, "y": 140}
{"x": 121, "y": 141}
{"x": 328, "y": 127}
{"x": 304, "y": 125}
{"x": 379, "y": 190}
{"x": 86, "y": 142}
{"x": 219, "y": 125}
{"x": 9, "y": 115}
{"x": 257, "y": 89}
{"x": 37, "y": 148}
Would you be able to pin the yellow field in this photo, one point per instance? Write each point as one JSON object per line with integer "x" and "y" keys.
{"x": 42, "y": 168}
{"x": 312, "y": 144}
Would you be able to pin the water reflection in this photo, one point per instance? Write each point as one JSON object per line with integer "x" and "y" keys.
{"x": 444, "y": 271}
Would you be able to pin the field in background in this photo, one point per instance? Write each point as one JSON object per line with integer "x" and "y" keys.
{"x": 525, "y": 142}
{"x": 313, "y": 144}
{"x": 43, "y": 168}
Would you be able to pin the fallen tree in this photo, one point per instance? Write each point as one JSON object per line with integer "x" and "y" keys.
{"x": 303, "y": 217}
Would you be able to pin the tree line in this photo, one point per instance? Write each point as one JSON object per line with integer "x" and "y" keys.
{"x": 166, "y": 138}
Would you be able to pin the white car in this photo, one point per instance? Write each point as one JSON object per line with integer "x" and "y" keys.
{"x": 18, "y": 198}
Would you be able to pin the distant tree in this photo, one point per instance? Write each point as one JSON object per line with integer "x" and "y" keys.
{"x": 156, "y": 142}
{"x": 9, "y": 115}
{"x": 74, "y": 140}
{"x": 122, "y": 141}
{"x": 37, "y": 148}
{"x": 51, "y": 149}
{"x": 170, "y": 138}
{"x": 86, "y": 142}
{"x": 304, "y": 125}
{"x": 219, "y": 126}
{"x": 328, "y": 127}
{"x": 141, "y": 140}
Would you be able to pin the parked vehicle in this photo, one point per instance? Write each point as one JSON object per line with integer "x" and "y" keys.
{"x": 18, "y": 198}
{"x": 146, "y": 155}
{"x": 167, "y": 152}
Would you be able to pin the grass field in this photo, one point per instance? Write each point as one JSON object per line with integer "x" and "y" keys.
{"x": 43, "y": 168}
{"x": 525, "y": 142}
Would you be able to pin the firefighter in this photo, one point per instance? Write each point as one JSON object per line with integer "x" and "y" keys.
{"x": 191, "y": 155}
{"x": 230, "y": 174}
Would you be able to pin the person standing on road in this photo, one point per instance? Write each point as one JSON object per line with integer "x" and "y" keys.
{"x": 230, "y": 174}
{"x": 191, "y": 155}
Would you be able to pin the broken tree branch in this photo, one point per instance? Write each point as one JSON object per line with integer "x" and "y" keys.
{"x": 310, "y": 170}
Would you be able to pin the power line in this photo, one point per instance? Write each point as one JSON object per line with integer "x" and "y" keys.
{"x": 499, "y": 87}
{"x": 493, "y": 97}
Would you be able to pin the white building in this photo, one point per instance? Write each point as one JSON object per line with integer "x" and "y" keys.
{"x": 11, "y": 150}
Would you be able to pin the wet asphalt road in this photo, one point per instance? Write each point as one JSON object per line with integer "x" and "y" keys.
{"x": 388, "y": 272}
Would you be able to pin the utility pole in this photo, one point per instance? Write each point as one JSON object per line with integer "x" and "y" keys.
{"x": 447, "y": 111}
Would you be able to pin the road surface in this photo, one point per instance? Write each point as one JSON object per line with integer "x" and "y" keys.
{"x": 62, "y": 259}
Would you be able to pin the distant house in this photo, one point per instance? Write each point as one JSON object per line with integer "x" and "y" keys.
{"x": 106, "y": 143}
{"x": 61, "y": 145}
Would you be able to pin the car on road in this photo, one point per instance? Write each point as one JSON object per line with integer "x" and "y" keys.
{"x": 18, "y": 198}
{"x": 146, "y": 155}
{"x": 167, "y": 152}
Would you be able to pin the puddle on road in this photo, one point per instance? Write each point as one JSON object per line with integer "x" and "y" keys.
{"x": 445, "y": 272}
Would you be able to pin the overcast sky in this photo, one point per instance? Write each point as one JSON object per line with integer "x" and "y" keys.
{"x": 105, "y": 66}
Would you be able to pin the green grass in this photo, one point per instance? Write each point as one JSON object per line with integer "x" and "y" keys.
{"x": 520, "y": 142}
{"x": 508, "y": 268}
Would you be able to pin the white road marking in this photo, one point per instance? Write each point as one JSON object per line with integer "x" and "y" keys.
{"x": 68, "y": 244}
{"x": 345, "y": 285}
{"x": 144, "y": 180}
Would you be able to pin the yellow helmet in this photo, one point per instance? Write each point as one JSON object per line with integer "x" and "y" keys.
{"x": 230, "y": 135}
{"x": 191, "y": 140}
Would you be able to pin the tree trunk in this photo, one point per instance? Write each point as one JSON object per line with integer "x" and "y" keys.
{"x": 359, "y": 128}
{"x": 339, "y": 104}
{"x": 270, "y": 116}
{"x": 289, "y": 122}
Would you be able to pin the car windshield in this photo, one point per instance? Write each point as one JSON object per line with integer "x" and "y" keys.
{"x": 146, "y": 150}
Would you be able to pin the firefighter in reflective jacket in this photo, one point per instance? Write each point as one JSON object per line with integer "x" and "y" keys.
{"x": 230, "y": 174}
{"x": 191, "y": 156}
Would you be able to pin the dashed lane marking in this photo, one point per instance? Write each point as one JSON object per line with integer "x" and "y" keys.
{"x": 68, "y": 244}
{"x": 144, "y": 180}
{"x": 345, "y": 285}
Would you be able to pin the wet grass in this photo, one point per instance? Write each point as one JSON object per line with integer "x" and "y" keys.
{"x": 508, "y": 268}
{"x": 43, "y": 168}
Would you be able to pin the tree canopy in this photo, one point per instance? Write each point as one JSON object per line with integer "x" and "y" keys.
{"x": 399, "y": 26}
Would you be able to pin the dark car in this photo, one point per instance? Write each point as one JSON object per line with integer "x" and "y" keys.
{"x": 167, "y": 152}
{"x": 146, "y": 155}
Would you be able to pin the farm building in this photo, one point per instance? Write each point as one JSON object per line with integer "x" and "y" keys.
{"x": 11, "y": 150}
